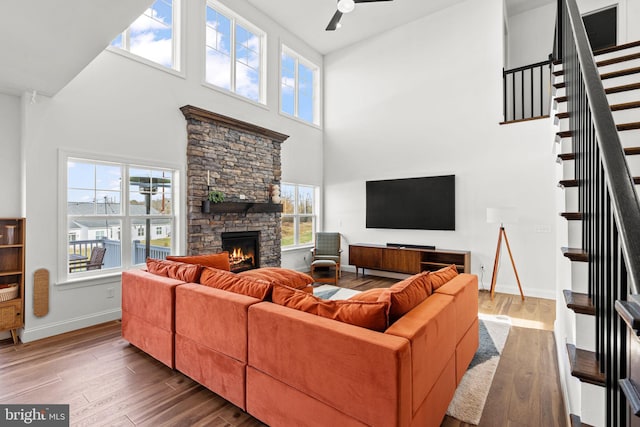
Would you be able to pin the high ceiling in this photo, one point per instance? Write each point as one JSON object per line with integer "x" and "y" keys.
{"x": 45, "y": 44}
{"x": 308, "y": 18}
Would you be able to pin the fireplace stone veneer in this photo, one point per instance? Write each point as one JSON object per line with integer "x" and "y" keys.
{"x": 241, "y": 159}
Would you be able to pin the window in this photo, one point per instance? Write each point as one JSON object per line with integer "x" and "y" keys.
{"x": 154, "y": 35}
{"x": 299, "y": 214}
{"x": 112, "y": 205}
{"x": 299, "y": 87}
{"x": 234, "y": 53}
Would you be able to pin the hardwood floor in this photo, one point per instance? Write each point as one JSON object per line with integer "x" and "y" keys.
{"x": 109, "y": 382}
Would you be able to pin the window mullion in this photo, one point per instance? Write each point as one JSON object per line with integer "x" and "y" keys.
{"x": 296, "y": 88}
{"x": 232, "y": 46}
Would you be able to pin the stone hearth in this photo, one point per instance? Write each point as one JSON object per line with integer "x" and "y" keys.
{"x": 241, "y": 159}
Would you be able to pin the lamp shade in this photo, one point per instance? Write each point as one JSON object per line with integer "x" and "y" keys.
{"x": 503, "y": 215}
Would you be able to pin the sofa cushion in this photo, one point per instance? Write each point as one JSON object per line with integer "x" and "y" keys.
{"x": 402, "y": 297}
{"x": 442, "y": 276}
{"x": 174, "y": 270}
{"x": 280, "y": 276}
{"x": 406, "y": 294}
{"x": 219, "y": 260}
{"x": 370, "y": 315}
{"x": 231, "y": 282}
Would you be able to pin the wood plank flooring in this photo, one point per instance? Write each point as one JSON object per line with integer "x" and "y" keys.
{"x": 109, "y": 382}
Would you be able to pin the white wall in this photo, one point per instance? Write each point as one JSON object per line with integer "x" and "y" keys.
{"x": 426, "y": 99}
{"x": 531, "y": 35}
{"x": 10, "y": 158}
{"x": 120, "y": 107}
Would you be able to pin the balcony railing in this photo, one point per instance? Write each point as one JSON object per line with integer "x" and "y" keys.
{"x": 527, "y": 91}
{"x": 113, "y": 254}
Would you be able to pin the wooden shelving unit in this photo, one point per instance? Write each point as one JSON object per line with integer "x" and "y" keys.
{"x": 12, "y": 272}
{"x": 407, "y": 260}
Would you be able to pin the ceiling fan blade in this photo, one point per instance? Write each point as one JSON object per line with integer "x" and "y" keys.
{"x": 333, "y": 24}
{"x": 368, "y": 1}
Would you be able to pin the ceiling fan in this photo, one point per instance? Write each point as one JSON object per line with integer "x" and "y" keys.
{"x": 345, "y": 6}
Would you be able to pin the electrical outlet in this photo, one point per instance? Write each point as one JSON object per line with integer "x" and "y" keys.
{"x": 111, "y": 292}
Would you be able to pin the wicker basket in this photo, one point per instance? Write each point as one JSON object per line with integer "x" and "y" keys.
{"x": 9, "y": 293}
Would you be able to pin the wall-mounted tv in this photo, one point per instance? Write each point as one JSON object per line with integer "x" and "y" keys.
{"x": 427, "y": 203}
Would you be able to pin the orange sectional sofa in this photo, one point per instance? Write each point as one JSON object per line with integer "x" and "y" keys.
{"x": 289, "y": 367}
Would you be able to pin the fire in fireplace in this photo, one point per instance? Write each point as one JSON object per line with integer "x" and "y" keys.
{"x": 243, "y": 248}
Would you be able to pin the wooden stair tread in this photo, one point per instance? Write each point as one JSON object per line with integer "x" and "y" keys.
{"x": 566, "y": 156}
{"x": 623, "y": 88}
{"x": 620, "y": 73}
{"x": 572, "y": 216}
{"x": 575, "y": 421}
{"x": 616, "y": 48}
{"x": 618, "y": 59}
{"x": 625, "y": 106}
{"x": 566, "y": 183}
{"x": 605, "y": 76}
{"x": 575, "y": 254}
{"x": 629, "y": 151}
{"x": 621, "y": 128}
{"x": 564, "y": 115}
{"x": 585, "y": 366}
{"x": 608, "y": 91}
{"x": 579, "y": 302}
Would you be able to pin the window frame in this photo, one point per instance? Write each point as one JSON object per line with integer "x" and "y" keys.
{"x": 236, "y": 19}
{"x": 296, "y": 216}
{"x": 125, "y": 217}
{"x": 300, "y": 59}
{"x": 177, "y": 46}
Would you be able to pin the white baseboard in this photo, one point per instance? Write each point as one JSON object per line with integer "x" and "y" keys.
{"x": 44, "y": 331}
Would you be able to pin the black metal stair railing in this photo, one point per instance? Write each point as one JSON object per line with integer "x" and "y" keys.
{"x": 526, "y": 91}
{"x": 609, "y": 206}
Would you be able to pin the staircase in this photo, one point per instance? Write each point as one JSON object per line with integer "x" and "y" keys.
{"x": 597, "y": 114}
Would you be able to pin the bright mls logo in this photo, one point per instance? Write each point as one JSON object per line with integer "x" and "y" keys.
{"x": 34, "y": 415}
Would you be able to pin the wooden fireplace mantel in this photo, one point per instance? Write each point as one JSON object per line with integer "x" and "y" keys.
{"x": 245, "y": 207}
{"x": 191, "y": 112}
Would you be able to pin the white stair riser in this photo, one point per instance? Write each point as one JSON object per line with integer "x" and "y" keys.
{"x": 574, "y": 239}
{"x": 579, "y": 277}
{"x": 571, "y": 199}
{"x": 621, "y": 81}
{"x": 622, "y": 97}
{"x": 585, "y": 332}
{"x": 626, "y": 116}
{"x": 592, "y": 400}
{"x": 617, "y": 54}
{"x": 619, "y": 66}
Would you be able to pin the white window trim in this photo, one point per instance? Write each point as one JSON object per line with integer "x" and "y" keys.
{"x": 236, "y": 18}
{"x": 88, "y": 278}
{"x": 296, "y": 216}
{"x": 177, "y": 43}
{"x": 284, "y": 49}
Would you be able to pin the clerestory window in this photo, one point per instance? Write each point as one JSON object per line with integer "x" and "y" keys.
{"x": 299, "y": 87}
{"x": 235, "y": 53}
{"x": 155, "y": 35}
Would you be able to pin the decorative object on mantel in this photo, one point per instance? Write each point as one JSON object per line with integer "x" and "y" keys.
{"x": 214, "y": 196}
{"x": 275, "y": 193}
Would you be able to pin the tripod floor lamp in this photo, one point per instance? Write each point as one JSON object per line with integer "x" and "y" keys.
{"x": 502, "y": 216}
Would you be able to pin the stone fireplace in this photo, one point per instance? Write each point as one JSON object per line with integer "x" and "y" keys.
{"x": 243, "y": 161}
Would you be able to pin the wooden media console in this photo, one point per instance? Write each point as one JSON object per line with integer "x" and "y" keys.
{"x": 408, "y": 260}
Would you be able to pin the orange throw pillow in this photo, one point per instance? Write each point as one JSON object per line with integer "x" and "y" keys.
{"x": 370, "y": 315}
{"x": 442, "y": 276}
{"x": 219, "y": 260}
{"x": 174, "y": 270}
{"x": 370, "y": 295}
{"x": 231, "y": 282}
{"x": 280, "y": 276}
{"x": 407, "y": 294}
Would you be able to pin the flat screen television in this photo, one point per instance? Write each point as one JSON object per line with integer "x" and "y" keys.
{"x": 427, "y": 203}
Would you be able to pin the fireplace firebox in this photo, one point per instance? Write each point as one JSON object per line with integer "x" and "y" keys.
{"x": 243, "y": 248}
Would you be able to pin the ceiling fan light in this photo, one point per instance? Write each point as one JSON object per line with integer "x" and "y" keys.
{"x": 346, "y": 6}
